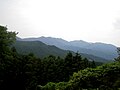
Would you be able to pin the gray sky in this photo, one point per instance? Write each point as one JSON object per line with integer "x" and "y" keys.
{"x": 89, "y": 20}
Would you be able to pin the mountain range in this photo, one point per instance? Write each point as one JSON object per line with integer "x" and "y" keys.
{"x": 42, "y": 50}
{"x": 38, "y": 48}
{"x": 102, "y": 50}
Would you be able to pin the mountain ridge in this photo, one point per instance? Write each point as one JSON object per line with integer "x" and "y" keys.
{"x": 106, "y": 51}
{"x": 42, "y": 50}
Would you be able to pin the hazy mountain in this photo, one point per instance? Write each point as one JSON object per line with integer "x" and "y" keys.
{"x": 106, "y": 51}
{"x": 19, "y": 39}
{"x": 41, "y": 50}
{"x": 103, "y": 50}
{"x": 49, "y": 41}
{"x": 38, "y": 48}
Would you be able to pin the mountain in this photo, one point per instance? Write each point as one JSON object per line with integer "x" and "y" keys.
{"x": 38, "y": 48}
{"x": 106, "y": 51}
{"x": 48, "y": 40}
{"x": 95, "y": 58}
{"x": 41, "y": 50}
{"x": 103, "y": 50}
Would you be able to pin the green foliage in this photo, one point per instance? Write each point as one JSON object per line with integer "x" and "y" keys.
{"x": 105, "y": 77}
{"x": 54, "y": 86}
{"x": 49, "y": 86}
{"x": 6, "y": 39}
{"x": 118, "y": 58}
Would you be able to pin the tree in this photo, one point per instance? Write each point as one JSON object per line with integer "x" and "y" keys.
{"x": 7, "y": 59}
{"x": 68, "y": 66}
{"x": 6, "y": 39}
{"x": 118, "y": 58}
{"x": 77, "y": 60}
{"x": 118, "y": 50}
{"x": 93, "y": 64}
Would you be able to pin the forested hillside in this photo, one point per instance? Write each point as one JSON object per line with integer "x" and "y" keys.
{"x": 42, "y": 50}
{"x": 73, "y": 72}
{"x": 106, "y": 51}
{"x": 39, "y": 49}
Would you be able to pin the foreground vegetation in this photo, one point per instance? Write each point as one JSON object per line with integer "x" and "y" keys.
{"x": 27, "y": 72}
{"x": 105, "y": 77}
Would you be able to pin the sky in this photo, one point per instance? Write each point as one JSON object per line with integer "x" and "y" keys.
{"x": 88, "y": 20}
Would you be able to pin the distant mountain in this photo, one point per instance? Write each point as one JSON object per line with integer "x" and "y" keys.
{"x": 19, "y": 39}
{"x": 106, "y": 51}
{"x": 48, "y": 40}
{"x": 38, "y": 48}
{"x": 41, "y": 50}
{"x": 95, "y": 58}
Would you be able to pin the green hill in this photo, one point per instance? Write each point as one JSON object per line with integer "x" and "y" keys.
{"x": 38, "y": 48}
{"x": 41, "y": 50}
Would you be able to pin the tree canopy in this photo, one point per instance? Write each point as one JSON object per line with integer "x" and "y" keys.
{"x": 6, "y": 39}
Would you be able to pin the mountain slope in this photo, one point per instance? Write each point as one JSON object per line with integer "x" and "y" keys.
{"x": 41, "y": 50}
{"x": 38, "y": 48}
{"x": 106, "y": 51}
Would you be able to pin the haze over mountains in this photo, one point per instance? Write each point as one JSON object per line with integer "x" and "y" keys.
{"x": 102, "y": 50}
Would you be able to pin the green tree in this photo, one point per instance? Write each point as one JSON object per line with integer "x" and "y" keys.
{"x": 118, "y": 58}
{"x": 6, "y": 39}
{"x": 77, "y": 60}
{"x": 68, "y": 66}
{"x": 93, "y": 64}
{"x": 7, "y": 59}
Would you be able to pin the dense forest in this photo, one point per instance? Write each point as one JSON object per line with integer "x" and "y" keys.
{"x": 73, "y": 72}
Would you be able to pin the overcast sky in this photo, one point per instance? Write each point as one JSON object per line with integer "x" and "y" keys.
{"x": 89, "y": 20}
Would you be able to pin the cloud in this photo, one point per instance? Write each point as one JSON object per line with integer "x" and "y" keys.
{"x": 117, "y": 24}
